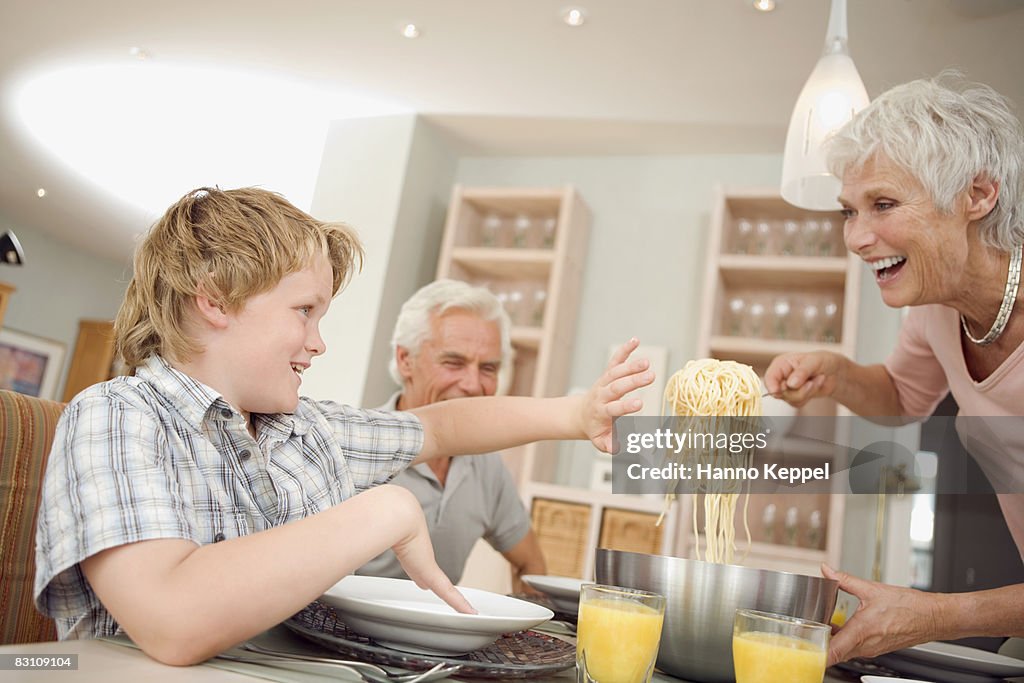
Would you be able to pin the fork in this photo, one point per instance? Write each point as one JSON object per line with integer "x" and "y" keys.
{"x": 369, "y": 672}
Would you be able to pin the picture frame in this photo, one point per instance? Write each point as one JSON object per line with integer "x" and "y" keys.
{"x": 30, "y": 364}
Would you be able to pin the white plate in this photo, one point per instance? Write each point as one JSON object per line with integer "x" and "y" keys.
{"x": 932, "y": 672}
{"x": 397, "y": 614}
{"x": 886, "y": 679}
{"x": 563, "y": 590}
{"x": 961, "y": 658}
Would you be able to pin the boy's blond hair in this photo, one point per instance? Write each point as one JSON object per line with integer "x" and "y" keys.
{"x": 228, "y": 245}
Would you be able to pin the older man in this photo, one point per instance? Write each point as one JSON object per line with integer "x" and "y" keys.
{"x": 450, "y": 341}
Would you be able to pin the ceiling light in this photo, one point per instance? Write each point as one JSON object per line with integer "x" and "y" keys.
{"x": 764, "y": 5}
{"x": 11, "y": 252}
{"x": 139, "y": 53}
{"x": 574, "y": 16}
{"x": 115, "y": 126}
{"x": 830, "y": 98}
{"x": 411, "y": 31}
{"x": 41, "y": 192}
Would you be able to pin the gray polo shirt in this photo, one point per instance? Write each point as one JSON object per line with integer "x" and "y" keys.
{"x": 478, "y": 501}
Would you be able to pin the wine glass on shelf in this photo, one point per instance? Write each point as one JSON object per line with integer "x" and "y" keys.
{"x": 540, "y": 297}
{"x": 814, "y": 530}
{"x": 827, "y": 243}
{"x": 780, "y": 316}
{"x": 548, "y": 227}
{"x": 737, "y": 309}
{"x": 768, "y": 523}
{"x": 812, "y": 236}
{"x": 517, "y": 305}
{"x": 810, "y": 319}
{"x": 743, "y": 236}
{"x": 790, "y": 237}
{"x": 755, "y": 316}
{"x": 521, "y": 231}
{"x": 490, "y": 230}
{"x": 763, "y": 236}
{"x": 830, "y": 326}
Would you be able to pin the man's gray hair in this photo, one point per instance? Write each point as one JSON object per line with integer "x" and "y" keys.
{"x": 945, "y": 132}
{"x": 413, "y": 325}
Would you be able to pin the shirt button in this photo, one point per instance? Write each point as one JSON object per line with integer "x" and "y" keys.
{"x": 244, "y": 455}
{"x": 218, "y": 538}
{"x": 226, "y": 412}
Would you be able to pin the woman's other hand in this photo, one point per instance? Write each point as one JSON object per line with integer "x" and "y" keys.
{"x": 798, "y": 377}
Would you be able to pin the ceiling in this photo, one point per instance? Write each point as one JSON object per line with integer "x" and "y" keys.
{"x": 640, "y": 77}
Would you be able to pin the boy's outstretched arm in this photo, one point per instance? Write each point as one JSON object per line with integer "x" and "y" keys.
{"x": 183, "y": 603}
{"x": 481, "y": 425}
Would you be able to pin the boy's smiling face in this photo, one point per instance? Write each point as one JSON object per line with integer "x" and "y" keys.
{"x": 264, "y": 348}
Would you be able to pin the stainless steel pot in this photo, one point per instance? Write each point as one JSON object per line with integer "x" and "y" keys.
{"x": 701, "y": 599}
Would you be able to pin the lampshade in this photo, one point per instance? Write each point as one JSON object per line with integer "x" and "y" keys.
{"x": 10, "y": 250}
{"x": 832, "y": 95}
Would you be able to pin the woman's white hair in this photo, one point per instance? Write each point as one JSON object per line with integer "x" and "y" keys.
{"x": 945, "y": 132}
{"x": 413, "y": 325}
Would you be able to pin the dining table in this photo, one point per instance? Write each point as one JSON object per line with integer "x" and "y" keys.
{"x": 118, "y": 661}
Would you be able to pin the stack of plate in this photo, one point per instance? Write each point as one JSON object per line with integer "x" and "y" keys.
{"x": 949, "y": 663}
{"x": 397, "y": 614}
{"x": 563, "y": 591}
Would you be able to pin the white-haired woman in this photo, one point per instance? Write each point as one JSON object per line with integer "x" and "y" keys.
{"x": 932, "y": 193}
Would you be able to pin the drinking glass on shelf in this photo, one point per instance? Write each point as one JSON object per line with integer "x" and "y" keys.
{"x": 768, "y": 523}
{"x": 790, "y": 237}
{"x": 490, "y": 230}
{"x": 812, "y": 236}
{"x": 830, "y": 322}
{"x": 540, "y": 297}
{"x": 743, "y": 236}
{"x": 737, "y": 314}
{"x": 548, "y": 228}
{"x": 814, "y": 530}
{"x": 516, "y": 304}
{"x": 617, "y": 635}
{"x": 774, "y": 647}
{"x": 755, "y": 318}
{"x": 810, "y": 321}
{"x": 792, "y": 525}
{"x": 827, "y": 244}
{"x": 780, "y": 317}
{"x": 521, "y": 231}
{"x": 763, "y": 237}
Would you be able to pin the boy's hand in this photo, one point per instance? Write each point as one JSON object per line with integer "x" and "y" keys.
{"x": 416, "y": 555}
{"x": 604, "y": 402}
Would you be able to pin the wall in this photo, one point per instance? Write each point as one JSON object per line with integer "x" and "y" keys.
{"x": 59, "y": 285}
{"x": 389, "y": 177}
{"x": 426, "y": 192}
{"x": 360, "y": 182}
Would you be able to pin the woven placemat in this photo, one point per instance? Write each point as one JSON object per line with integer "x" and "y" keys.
{"x": 526, "y": 654}
{"x": 545, "y": 601}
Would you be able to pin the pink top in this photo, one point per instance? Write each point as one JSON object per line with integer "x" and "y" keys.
{"x": 928, "y": 361}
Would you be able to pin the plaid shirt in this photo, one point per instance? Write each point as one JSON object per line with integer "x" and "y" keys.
{"x": 160, "y": 455}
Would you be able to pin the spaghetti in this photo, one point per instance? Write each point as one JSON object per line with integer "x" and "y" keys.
{"x": 712, "y": 390}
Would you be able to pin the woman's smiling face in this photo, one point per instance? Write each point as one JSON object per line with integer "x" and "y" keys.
{"x": 918, "y": 255}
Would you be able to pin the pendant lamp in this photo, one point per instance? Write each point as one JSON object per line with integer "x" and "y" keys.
{"x": 832, "y": 95}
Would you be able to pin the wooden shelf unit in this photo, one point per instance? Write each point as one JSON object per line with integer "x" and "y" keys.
{"x": 538, "y": 277}
{"x": 793, "y": 289}
{"x": 93, "y": 360}
{"x": 571, "y": 522}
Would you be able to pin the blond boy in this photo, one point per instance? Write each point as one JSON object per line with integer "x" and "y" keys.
{"x": 201, "y": 501}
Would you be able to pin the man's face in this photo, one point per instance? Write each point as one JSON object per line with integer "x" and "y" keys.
{"x": 460, "y": 357}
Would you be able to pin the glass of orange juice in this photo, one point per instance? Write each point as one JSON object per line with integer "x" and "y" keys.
{"x": 617, "y": 634}
{"x": 772, "y": 647}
